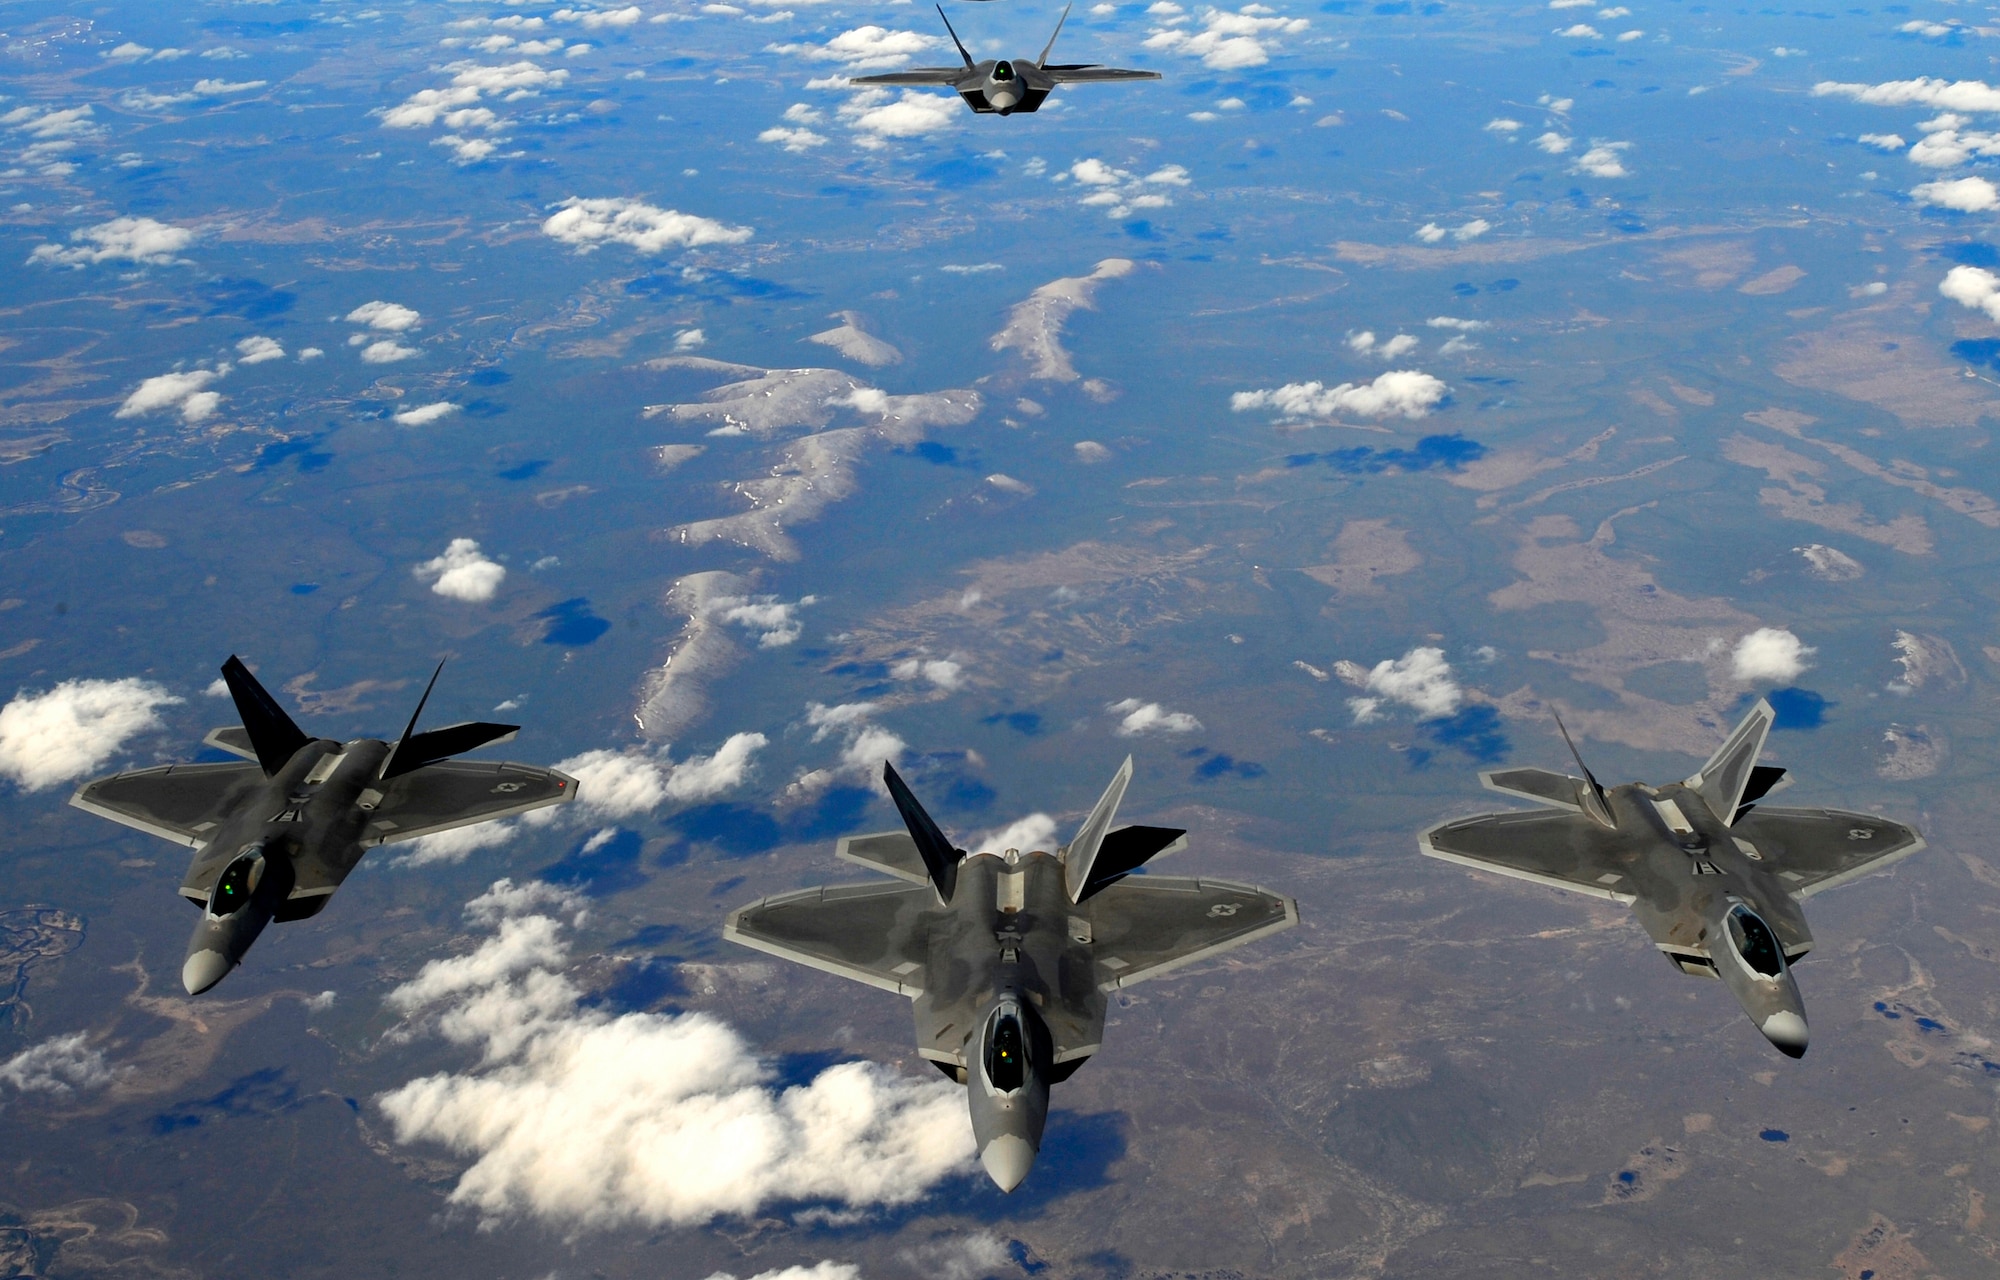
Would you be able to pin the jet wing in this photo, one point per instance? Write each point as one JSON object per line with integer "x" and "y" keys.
{"x": 458, "y": 793}
{"x": 1563, "y": 850}
{"x": 916, "y": 75}
{"x": 1144, "y": 926}
{"x": 873, "y": 933}
{"x": 1817, "y": 849}
{"x": 179, "y": 802}
{"x": 1093, "y": 75}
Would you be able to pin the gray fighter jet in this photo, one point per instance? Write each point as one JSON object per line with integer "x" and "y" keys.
{"x": 1009, "y": 954}
{"x": 1005, "y": 87}
{"x": 1714, "y": 878}
{"x": 275, "y": 838}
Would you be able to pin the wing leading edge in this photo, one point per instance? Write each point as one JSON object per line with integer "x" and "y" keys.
{"x": 1814, "y": 850}
{"x": 1146, "y": 926}
{"x": 177, "y": 802}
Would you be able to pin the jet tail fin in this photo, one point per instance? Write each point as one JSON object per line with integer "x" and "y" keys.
{"x": 1080, "y": 855}
{"x": 1728, "y": 774}
{"x": 1591, "y": 794}
{"x": 941, "y": 857}
{"x": 392, "y": 764}
{"x": 272, "y": 734}
{"x": 955, "y": 40}
{"x": 1043, "y": 61}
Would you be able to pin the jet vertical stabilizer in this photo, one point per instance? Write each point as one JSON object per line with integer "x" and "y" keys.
{"x": 1080, "y": 855}
{"x": 941, "y": 857}
{"x": 1590, "y": 795}
{"x": 272, "y": 734}
{"x": 1723, "y": 780}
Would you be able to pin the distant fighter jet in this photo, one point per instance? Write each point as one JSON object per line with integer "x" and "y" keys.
{"x": 1007, "y": 953}
{"x": 1714, "y": 879}
{"x": 1005, "y": 87}
{"x": 274, "y": 839}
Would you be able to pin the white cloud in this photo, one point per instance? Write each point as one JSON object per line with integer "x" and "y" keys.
{"x": 462, "y": 572}
{"x": 1008, "y": 484}
{"x": 1431, "y": 233}
{"x": 971, "y": 269}
{"x": 587, "y": 223}
{"x": 614, "y": 786}
{"x": 1973, "y": 287}
{"x": 1770, "y": 653}
{"x": 309, "y": 353}
{"x": 1553, "y": 143}
{"x": 876, "y": 115}
{"x": 1228, "y": 41}
{"x": 1579, "y": 31}
{"x": 57, "y": 1065}
{"x": 1407, "y": 393}
{"x": 827, "y": 1270}
{"x": 390, "y": 317}
{"x": 579, "y": 1118}
{"x": 1421, "y": 680}
{"x": 1603, "y": 160}
{"x": 1950, "y": 95}
{"x": 1627, "y": 37}
{"x": 794, "y": 140}
{"x": 1502, "y": 126}
{"x": 141, "y": 240}
{"x": 705, "y": 777}
{"x": 690, "y": 340}
{"x": 387, "y": 351}
{"x": 1883, "y": 141}
{"x": 1967, "y": 195}
{"x": 259, "y": 349}
{"x": 424, "y": 414}
{"x": 183, "y": 391}
{"x": 775, "y": 621}
{"x": 1931, "y": 30}
{"x": 1571, "y": 4}
{"x": 942, "y": 672}
{"x": 869, "y": 48}
{"x": 130, "y": 51}
{"x": 1150, "y": 717}
{"x": 1452, "y": 322}
{"x": 979, "y": 1255}
{"x": 469, "y": 83}
{"x": 1091, "y": 451}
{"x": 599, "y": 19}
{"x": 454, "y": 846}
{"x": 865, "y": 744}
{"x": 68, "y": 732}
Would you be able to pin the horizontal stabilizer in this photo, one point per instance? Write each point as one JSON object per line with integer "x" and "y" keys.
{"x": 1127, "y": 849}
{"x": 891, "y": 851}
{"x": 1543, "y": 786}
{"x": 433, "y": 745}
{"x": 271, "y": 733}
{"x": 234, "y": 739}
{"x": 1764, "y": 779}
{"x": 1726, "y": 776}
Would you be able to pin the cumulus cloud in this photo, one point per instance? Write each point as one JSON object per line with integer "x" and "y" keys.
{"x": 1364, "y": 343}
{"x": 1967, "y": 195}
{"x": 1404, "y": 393}
{"x": 1118, "y": 192}
{"x": 1091, "y": 451}
{"x": 614, "y": 786}
{"x": 141, "y": 240}
{"x": 58, "y": 1065}
{"x": 424, "y": 414}
{"x": 578, "y": 1118}
{"x": 1553, "y": 143}
{"x": 826, "y": 1270}
{"x": 462, "y": 572}
{"x": 1227, "y": 41}
{"x": 258, "y": 350}
{"x": 877, "y": 115}
{"x": 1420, "y": 680}
{"x": 1150, "y": 717}
{"x": 794, "y": 140}
{"x": 444, "y": 848}
{"x": 1603, "y": 160}
{"x": 776, "y": 622}
{"x": 183, "y": 391}
{"x": 585, "y": 224}
{"x": 599, "y": 19}
{"x": 390, "y": 317}
{"x": 865, "y": 745}
{"x": 1950, "y": 95}
{"x": 1503, "y": 126}
{"x": 1008, "y": 484}
{"x": 70, "y": 731}
{"x": 942, "y": 672}
{"x": 1431, "y": 232}
{"x": 1453, "y": 322}
{"x": 387, "y": 351}
{"x": 1973, "y": 287}
{"x": 869, "y": 48}
{"x": 470, "y": 82}
{"x": 1770, "y": 653}
{"x": 1579, "y": 31}
{"x": 1882, "y": 141}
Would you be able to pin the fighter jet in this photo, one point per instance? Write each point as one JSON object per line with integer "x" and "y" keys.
{"x": 1009, "y": 954}
{"x": 1713, "y": 877}
{"x": 1005, "y": 87}
{"x": 274, "y": 839}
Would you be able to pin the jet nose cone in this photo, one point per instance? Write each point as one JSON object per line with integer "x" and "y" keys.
{"x": 203, "y": 970}
{"x": 1007, "y": 1160}
{"x": 1786, "y": 1030}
